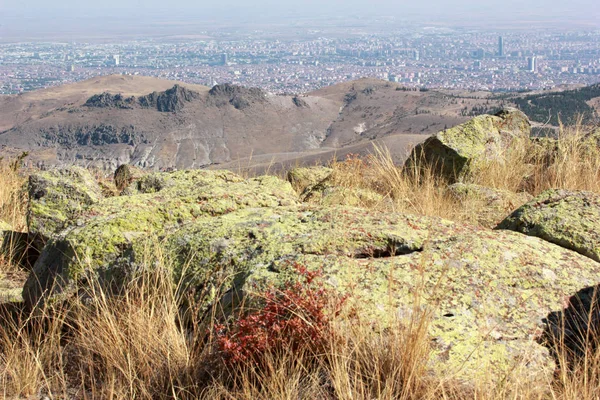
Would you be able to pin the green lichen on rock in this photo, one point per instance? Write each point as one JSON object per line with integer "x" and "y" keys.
{"x": 570, "y": 219}
{"x": 328, "y": 193}
{"x": 494, "y": 204}
{"x": 488, "y": 290}
{"x": 454, "y": 152}
{"x": 125, "y": 175}
{"x": 106, "y": 233}
{"x": 305, "y": 177}
{"x": 57, "y": 196}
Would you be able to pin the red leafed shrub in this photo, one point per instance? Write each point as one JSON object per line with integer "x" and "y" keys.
{"x": 297, "y": 317}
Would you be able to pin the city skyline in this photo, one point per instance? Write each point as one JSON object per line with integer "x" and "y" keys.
{"x": 438, "y": 58}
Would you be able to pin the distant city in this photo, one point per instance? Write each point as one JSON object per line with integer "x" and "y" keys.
{"x": 429, "y": 57}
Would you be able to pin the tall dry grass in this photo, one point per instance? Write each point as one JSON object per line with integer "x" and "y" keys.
{"x": 13, "y": 197}
{"x": 571, "y": 161}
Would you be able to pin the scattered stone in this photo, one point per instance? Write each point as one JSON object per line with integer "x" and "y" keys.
{"x": 125, "y": 175}
{"x": 488, "y": 291}
{"x": 305, "y": 177}
{"x": 326, "y": 193}
{"x": 570, "y": 219}
{"x": 57, "y": 196}
{"x": 454, "y": 152}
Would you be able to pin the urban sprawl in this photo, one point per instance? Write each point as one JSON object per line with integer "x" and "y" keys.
{"x": 428, "y": 57}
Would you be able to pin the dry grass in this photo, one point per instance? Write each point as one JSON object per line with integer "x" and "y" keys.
{"x": 571, "y": 162}
{"x": 12, "y": 194}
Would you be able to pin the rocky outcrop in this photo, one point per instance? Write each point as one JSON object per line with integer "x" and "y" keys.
{"x": 454, "y": 152}
{"x": 487, "y": 291}
{"x": 57, "y": 197}
{"x": 107, "y": 100}
{"x": 172, "y": 100}
{"x": 298, "y": 102}
{"x": 567, "y": 218}
{"x": 238, "y": 96}
{"x": 495, "y": 204}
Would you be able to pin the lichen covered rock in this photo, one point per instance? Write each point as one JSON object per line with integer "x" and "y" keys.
{"x": 327, "y": 193}
{"x": 488, "y": 291}
{"x": 104, "y": 233}
{"x": 227, "y": 239}
{"x": 570, "y": 219}
{"x": 494, "y": 204}
{"x": 454, "y": 152}
{"x": 305, "y": 177}
{"x": 57, "y": 196}
{"x": 125, "y": 175}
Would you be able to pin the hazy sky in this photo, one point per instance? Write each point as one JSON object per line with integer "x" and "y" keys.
{"x": 569, "y": 8}
{"x": 47, "y": 19}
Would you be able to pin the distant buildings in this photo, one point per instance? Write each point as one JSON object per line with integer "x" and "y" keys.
{"x": 224, "y": 59}
{"x": 500, "y": 46}
{"x": 116, "y": 60}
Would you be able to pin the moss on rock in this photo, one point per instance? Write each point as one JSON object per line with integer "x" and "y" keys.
{"x": 570, "y": 219}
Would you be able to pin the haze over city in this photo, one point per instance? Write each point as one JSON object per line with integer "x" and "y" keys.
{"x": 285, "y": 46}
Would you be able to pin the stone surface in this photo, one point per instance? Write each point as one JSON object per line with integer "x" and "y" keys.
{"x": 456, "y": 151}
{"x": 305, "y": 177}
{"x": 488, "y": 291}
{"x": 494, "y": 204}
{"x": 125, "y": 175}
{"x": 327, "y": 193}
{"x": 570, "y": 219}
{"x": 4, "y": 227}
{"x": 56, "y": 197}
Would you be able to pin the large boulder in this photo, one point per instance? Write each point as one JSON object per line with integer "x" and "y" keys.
{"x": 570, "y": 219}
{"x": 493, "y": 204}
{"x": 454, "y": 152}
{"x": 488, "y": 291}
{"x": 103, "y": 234}
{"x": 57, "y": 196}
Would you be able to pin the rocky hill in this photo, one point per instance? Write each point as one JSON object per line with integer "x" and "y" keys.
{"x": 160, "y": 124}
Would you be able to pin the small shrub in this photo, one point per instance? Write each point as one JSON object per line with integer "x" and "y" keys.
{"x": 295, "y": 318}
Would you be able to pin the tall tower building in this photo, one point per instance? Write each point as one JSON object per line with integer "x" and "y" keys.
{"x": 531, "y": 64}
{"x": 224, "y": 59}
{"x": 500, "y": 46}
{"x": 116, "y": 60}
